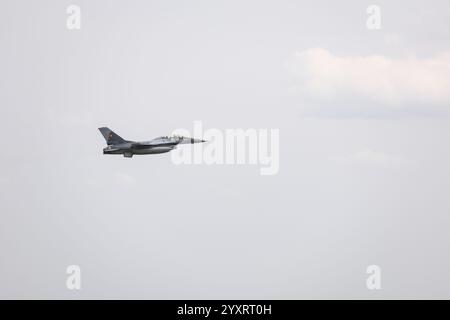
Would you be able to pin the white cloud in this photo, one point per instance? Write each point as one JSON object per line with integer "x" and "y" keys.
{"x": 371, "y": 158}
{"x": 396, "y": 83}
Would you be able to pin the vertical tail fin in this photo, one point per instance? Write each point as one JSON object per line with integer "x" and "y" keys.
{"x": 110, "y": 136}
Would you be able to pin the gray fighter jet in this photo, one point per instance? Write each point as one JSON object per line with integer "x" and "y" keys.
{"x": 117, "y": 145}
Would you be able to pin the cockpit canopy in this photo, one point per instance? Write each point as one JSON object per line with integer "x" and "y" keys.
{"x": 172, "y": 137}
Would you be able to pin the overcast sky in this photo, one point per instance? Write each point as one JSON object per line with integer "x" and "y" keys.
{"x": 364, "y": 172}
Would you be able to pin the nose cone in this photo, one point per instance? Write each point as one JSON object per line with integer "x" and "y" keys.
{"x": 186, "y": 140}
{"x": 197, "y": 140}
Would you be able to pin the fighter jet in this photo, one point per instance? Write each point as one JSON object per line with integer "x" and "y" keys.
{"x": 117, "y": 145}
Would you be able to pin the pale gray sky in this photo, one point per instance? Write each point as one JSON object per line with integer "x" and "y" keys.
{"x": 364, "y": 131}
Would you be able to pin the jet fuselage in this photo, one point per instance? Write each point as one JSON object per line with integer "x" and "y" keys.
{"x": 117, "y": 145}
